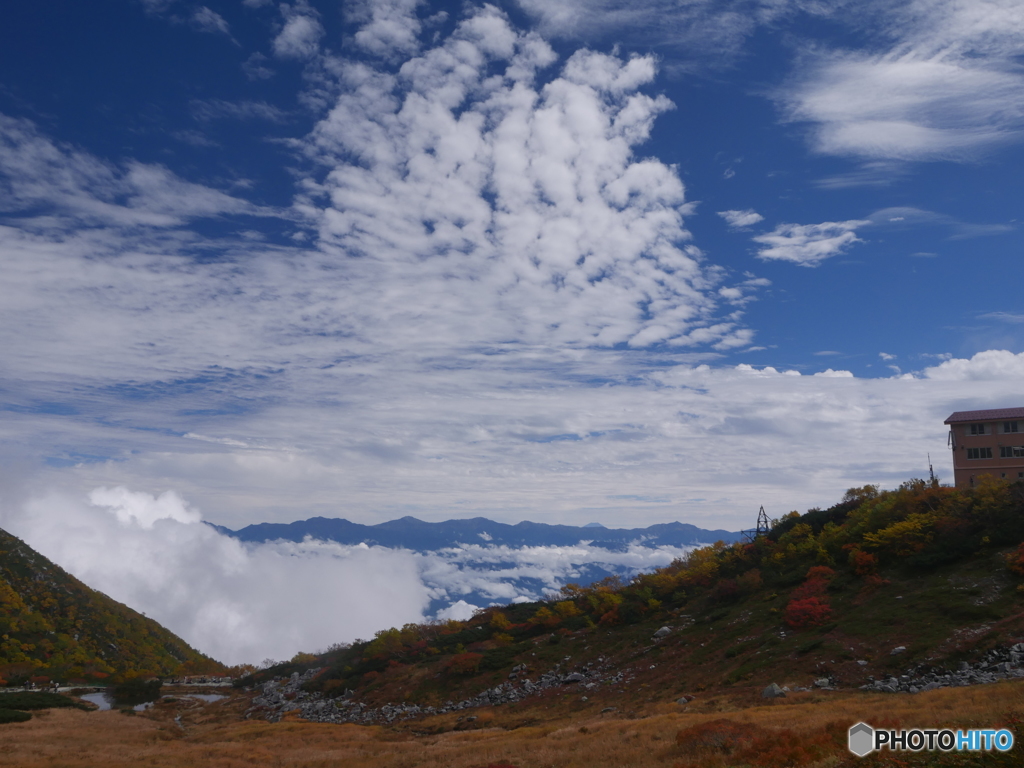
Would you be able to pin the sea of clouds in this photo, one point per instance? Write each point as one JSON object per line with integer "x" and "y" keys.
{"x": 244, "y": 602}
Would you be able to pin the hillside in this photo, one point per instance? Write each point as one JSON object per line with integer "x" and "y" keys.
{"x": 886, "y": 590}
{"x": 54, "y": 626}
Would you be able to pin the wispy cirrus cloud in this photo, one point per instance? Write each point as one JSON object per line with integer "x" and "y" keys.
{"x": 39, "y": 176}
{"x": 944, "y": 86}
{"x": 700, "y": 33}
{"x": 206, "y": 20}
{"x": 1004, "y": 317}
{"x": 216, "y": 109}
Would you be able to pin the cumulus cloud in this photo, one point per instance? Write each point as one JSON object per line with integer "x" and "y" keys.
{"x": 300, "y": 36}
{"x": 947, "y": 88}
{"x": 808, "y": 244}
{"x": 232, "y": 602}
{"x": 741, "y": 219}
{"x": 389, "y": 28}
{"x": 990, "y": 365}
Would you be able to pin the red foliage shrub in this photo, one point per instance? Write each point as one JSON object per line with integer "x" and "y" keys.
{"x": 808, "y": 612}
{"x": 808, "y": 606}
{"x": 1015, "y": 561}
{"x": 820, "y": 572}
{"x": 864, "y": 564}
{"x": 464, "y": 663}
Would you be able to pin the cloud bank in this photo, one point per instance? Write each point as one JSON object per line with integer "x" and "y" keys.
{"x": 249, "y": 602}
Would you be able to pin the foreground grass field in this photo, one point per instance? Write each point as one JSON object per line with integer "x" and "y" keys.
{"x": 807, "y": 729}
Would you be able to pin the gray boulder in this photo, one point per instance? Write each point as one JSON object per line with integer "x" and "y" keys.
{"x": 773, "y": 691}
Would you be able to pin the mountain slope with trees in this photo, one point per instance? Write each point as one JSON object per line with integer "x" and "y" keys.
{"x": 55, "y": 627}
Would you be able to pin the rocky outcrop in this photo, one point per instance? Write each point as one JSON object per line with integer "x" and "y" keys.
{"x": 996, "y": 665}
{"x": 279, "y": 697}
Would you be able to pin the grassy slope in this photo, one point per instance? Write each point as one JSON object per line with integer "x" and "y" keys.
{"x": 52, "y": 625}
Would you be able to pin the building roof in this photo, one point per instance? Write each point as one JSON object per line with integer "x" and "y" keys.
{"x": 991, "y": 415}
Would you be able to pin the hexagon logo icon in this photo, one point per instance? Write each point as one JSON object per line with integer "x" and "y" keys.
{"x": 862, "y": 739}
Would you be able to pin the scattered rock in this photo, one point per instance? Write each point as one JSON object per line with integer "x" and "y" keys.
{"x": 773, "y": 692}
{"x": 861, "y": 662}
{"x": 897, "y": 650}
{"x": 663, "y": 632}
{"x": 997, "y": 664}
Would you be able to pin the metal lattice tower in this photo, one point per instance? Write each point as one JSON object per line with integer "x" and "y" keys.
{"x": 763, "y": 526}
{"x": 762, "y": 523}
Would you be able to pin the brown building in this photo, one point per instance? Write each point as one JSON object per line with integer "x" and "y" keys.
{"x": 987, "y": 443}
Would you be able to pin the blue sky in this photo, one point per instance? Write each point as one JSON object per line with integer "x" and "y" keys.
{"x": 565, "y": 261}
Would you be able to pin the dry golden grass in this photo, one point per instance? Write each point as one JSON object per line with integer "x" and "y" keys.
{"x": 215, "y": 735}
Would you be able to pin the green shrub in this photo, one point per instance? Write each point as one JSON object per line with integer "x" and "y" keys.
{"x": 25, "y": 700}
{"x": 13, "y": 716}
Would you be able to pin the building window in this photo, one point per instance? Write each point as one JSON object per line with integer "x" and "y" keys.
{"x": 979, "y": 453}
{"x": 1010, "y": 427}
{"x": 1011, "y": 452}
{"x": 1020, "y": 475}
{"x": 976, "y": 429}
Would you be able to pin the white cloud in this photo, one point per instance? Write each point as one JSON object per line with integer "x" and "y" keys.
{"x": 1013, "y": 318}
{"x": 808, "y": 244}
{"x": 700, "y": 33}
{"x": 233, "y": 602}
{"x": 300, "y": 36}
{"x": 458, "y": 611}
{"x": 472, "y": 195}
{"x": 390, "y": 27}
{"x": 886, "y": 356}
{"x": 35, "y": 171}
{"x": 142, "y": 508}
{"x": 255, "y": 67}
{"x": 947, "y": 88}
{"x": 210, "y": 21}
{"x": 990, "y": 365}
{"x": 740, "y": 219}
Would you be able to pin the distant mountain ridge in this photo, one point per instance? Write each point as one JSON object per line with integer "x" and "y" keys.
{"x": 419, "y": 535}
